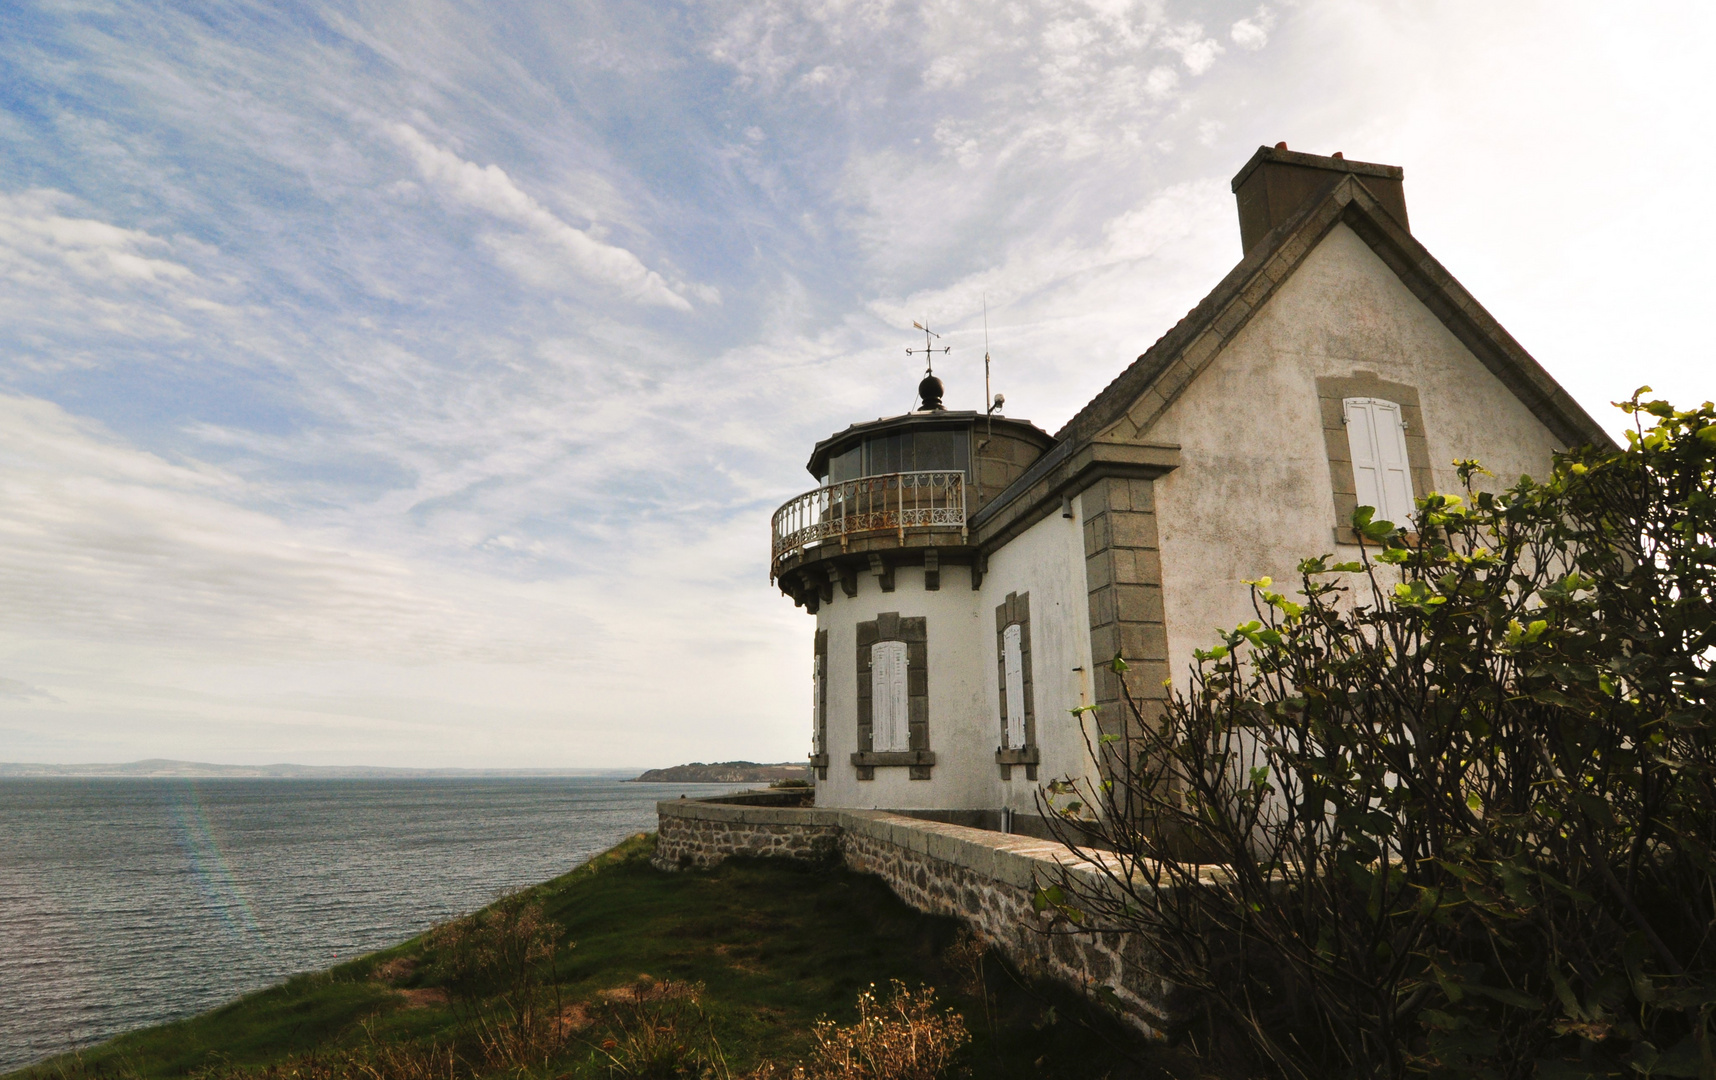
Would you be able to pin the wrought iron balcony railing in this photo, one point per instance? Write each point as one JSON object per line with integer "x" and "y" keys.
{"x": 891, "y": 502}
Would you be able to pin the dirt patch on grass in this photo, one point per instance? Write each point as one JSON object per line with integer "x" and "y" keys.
{"x": 423, "y": 997}
{"x": 573, "y": 1019}
{"x": 395, "y": 971}
{"x": 742, "y": 960}
{"x": 648, "y": 988}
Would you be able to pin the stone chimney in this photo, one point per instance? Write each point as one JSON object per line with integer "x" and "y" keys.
{"x": 1277, "y": 182}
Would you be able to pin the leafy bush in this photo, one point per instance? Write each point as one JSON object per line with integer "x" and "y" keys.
{"x": 1452, "y": 810}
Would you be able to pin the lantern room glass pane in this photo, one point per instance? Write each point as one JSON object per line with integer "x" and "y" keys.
{"x": 882, "y": 455}
{"x": 942, "y": 451}
{"x": 846, "y": 466}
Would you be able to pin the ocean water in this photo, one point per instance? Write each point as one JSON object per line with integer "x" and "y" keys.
{"x": 126, "y": 903}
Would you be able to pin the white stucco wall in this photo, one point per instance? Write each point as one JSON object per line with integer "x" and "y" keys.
{"x": 952, "y": 616}
{"x": 1047, "y": 561}
{"x": 1252, "y": 495}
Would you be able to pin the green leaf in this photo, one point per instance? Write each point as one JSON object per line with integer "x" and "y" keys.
{"x": 1503, "y": 994}
{"x": 1564, "y": 992}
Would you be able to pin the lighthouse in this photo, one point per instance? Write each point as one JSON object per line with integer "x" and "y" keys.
{"x": 973, "y": 579}
{"x": 884, "y": 553}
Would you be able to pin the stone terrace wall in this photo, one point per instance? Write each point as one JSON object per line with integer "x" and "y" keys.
{"x": 986, "y": 879}
{"x": 696, "y": 835}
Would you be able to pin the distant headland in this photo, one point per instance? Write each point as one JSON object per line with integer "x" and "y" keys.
{"x": 727, "y": 772}
{"x": 162, "y": 768}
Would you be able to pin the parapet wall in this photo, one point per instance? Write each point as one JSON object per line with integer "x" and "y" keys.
{"x": 697, "y": 834}
{"x": 986, "y": 879}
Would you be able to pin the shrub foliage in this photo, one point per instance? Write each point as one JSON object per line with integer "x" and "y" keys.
{"x": 1450, "y": 810}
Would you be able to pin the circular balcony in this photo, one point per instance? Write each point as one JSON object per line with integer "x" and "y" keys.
{"x": 898, "y": 491}
{"x": 868, "y": 513}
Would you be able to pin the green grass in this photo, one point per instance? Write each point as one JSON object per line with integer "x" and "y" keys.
{"x": 775, "y": 945}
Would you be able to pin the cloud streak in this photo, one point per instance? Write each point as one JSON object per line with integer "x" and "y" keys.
{"x": 396, "y": 382}
{"x": 552, "y": 243}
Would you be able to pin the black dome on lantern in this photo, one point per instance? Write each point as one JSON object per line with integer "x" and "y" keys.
{"x": 930, "y": 390}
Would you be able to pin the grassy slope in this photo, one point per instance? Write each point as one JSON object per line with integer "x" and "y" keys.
{"x": 776, "y": 945}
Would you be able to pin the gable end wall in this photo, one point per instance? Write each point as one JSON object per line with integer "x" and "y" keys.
{"x": 1259, "y": 483}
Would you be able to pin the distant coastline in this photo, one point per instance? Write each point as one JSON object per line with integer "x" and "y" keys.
{"x": 727, "y": 772}
{"x": 697, "y": 772}
{"x": 162, "y": 768}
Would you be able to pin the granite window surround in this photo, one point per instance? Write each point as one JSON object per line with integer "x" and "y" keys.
{"x": 913, "y": 631}
{"x": 819, "y": 756}
{"x": 1331, "y": 396}
{"x": 1016, "y": 611}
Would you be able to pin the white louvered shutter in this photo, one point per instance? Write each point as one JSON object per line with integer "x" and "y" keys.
{"x": 1377, "y": 437}
{"x": 1013, "y": 662}
{"x": 1391, "y": 452}
{"x": 890, "y": 728}
{"x": 816, "y": 707}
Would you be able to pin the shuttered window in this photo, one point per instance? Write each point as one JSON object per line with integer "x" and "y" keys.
{"x": 818, "y": 728}
{"x": 890, "y": 713}
{"x": 1377, "y": 437}
{"x": 1013, "y": 664}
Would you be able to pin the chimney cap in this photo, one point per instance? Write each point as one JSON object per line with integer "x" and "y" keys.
{"x": 1281, "y": 155}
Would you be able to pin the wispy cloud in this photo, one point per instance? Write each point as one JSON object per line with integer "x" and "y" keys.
{"x": 63, "y": 267}
{"x": 549, "y": 244}
{"x": 398, "y": 379}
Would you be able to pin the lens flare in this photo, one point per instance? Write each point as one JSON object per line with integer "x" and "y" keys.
{"x": 209, "y": 869}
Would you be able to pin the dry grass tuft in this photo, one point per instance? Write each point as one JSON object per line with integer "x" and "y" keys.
{"x": 423, "y": 997}
{"x": 376, "y": 1061}
{"x": 657, "y": 1030}
{"x": 498, "y": 966}
{"x": 902, "y": 1037}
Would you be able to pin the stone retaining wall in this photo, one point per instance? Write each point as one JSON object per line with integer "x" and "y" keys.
{"x": 986, "y": 879}
{"x": 695, "y": 834}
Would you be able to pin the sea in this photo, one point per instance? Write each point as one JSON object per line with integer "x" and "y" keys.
{"x": 131, "y": 902}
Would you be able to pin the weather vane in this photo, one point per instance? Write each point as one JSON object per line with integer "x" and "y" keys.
{"x": 929, "y": 350}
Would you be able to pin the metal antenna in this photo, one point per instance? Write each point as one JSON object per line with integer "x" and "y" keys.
{"x": 988, "y": 401}
{"x": 928, "y": 351}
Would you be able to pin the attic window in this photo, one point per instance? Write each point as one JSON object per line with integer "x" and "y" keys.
{"x": 1376, "y": 436}
{"x": 1389, "y": 414}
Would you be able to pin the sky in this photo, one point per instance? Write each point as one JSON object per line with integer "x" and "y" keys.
{"x": 411, "y": 383}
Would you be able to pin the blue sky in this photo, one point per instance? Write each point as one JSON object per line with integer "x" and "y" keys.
{"x": 411, "y": 383}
